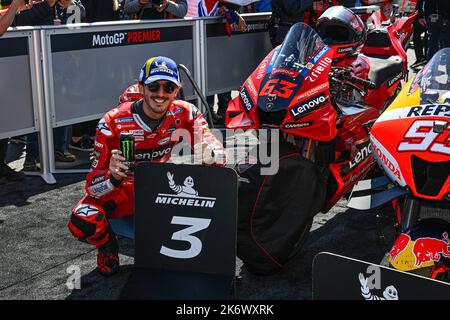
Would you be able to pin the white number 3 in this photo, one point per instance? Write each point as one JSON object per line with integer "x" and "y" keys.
{"x": 196, "y": 224}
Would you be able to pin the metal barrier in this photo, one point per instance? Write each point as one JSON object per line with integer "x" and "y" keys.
{"x": 19, "y": 97}
{"x": 75, "y": 73}
{"x": 229, "y": 60}
{"x": 24, "y": 108}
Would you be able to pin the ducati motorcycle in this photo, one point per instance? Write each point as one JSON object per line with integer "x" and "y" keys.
{"x": 384, "y": 53}
{"x": 320, "y": 109}
{"x": 411, "y": 143}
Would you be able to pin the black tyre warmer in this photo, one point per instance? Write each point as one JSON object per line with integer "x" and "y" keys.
{"x": 275, "y": 210}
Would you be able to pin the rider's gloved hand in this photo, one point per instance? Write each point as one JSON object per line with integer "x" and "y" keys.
{"x": 116, "y": 166}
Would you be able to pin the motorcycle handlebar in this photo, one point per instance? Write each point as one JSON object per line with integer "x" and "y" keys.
{"x": 365, "y": 83}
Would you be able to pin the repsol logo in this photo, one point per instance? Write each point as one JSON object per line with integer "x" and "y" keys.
{"x": 395, "y": 79}
{"x": 245, "y": 99}
{"x": 105, "y": 40}
{"x": 440, "y": 110}
{"x": 309, "y": 105}
{"x": 318, "y": 69}
{"x": 152, "y": 153}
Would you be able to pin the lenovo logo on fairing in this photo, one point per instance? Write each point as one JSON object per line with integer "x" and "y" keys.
{"x": 245, "y": 99}
{"x": 360, "y": 156}
{"x": 309, "y": 105}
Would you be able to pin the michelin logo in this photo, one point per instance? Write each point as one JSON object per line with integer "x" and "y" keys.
{"x": 185, "y": 195}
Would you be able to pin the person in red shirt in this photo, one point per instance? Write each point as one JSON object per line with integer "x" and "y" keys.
{"x": 156, "y": 122}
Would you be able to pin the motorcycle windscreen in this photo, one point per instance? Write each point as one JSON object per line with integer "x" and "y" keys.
{"x": 435, "y": 79}
{"x": 285, "y": 75}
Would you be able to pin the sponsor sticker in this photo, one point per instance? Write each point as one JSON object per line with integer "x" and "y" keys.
{"x": 98, "y": 179}
{"x": 174, "y": 112}
{"x": 395, "y": 79}
{"x": 312, "y": 92}
{"x": 121, "y": 38}
{"x": 101, "y": 189}
{"x": 297, "y": 125}
{"x": 251, "y": 87}
{"x": 286, "y": 72}
{"x": 103, "y": 128}
{"x": 184, "y": 195}
{"x": 98, "y": 145}
{"x": 136, "y": 132}
{"x": 164, "y": 141}
{"x": 308, "y": 106}
{"x": 86, "y": 210}
{"x": 245, "y": 99}
{"x": 437, "y": 110}
{"x": 121, "y": 120}
{"x": 151, "y": 154}
{"x": 387, "y": 161}
{"x": 343, "y": 50}
{"x": 319, "y": 68}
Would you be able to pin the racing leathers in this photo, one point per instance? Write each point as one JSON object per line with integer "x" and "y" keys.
{"x": 154, "y": 140}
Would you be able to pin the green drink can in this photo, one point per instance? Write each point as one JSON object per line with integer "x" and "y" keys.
{"x": 127, "y": 148}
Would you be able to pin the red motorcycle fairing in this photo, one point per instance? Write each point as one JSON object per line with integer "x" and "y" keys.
{"x": 298, "y": 100}
{"x": 387, "y": 40}
{"x": 308, "y": 112}
{"x": 354, "y": 138}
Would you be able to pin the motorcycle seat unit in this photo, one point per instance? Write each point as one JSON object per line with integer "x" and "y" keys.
{"x": 384, "y": 68}
{"x": 378, "y": 38}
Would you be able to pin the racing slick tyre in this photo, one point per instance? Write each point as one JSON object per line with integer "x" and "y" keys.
{"x": 276, "y": 211}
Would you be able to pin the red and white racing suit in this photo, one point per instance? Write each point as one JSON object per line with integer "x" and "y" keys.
{"x": 108, "y": 197}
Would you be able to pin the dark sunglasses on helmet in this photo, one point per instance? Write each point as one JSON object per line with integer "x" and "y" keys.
{"x": 168, "y": 87}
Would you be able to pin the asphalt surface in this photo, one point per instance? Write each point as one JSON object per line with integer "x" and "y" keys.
{"x": 37, "y": 251}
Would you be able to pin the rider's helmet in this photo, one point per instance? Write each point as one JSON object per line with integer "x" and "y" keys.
{"x": 342, "y": 30}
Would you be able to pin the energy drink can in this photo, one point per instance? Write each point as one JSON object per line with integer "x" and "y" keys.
{"x": 127, "y": 148}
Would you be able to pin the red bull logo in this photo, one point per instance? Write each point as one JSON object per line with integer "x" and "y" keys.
{"x": 431, "y": 249}
{"x": 399, "y": 246}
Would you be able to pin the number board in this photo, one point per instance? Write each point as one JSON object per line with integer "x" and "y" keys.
{"x": 344, "y": 278}
{"x": 185, "y": 218}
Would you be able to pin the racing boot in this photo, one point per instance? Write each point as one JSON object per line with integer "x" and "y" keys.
{"x": 108, "y": 257}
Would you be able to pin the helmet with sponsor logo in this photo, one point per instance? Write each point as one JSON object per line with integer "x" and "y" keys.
{"x": 342, "y": 30}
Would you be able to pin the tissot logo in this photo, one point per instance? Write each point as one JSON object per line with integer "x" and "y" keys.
{"x": 309, "y": 105}
{"x": 185, "y": 195}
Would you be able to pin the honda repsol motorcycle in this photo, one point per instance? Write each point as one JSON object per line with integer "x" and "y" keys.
{"x": 411, "y": 143}
{"x": 324, "y": 148}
